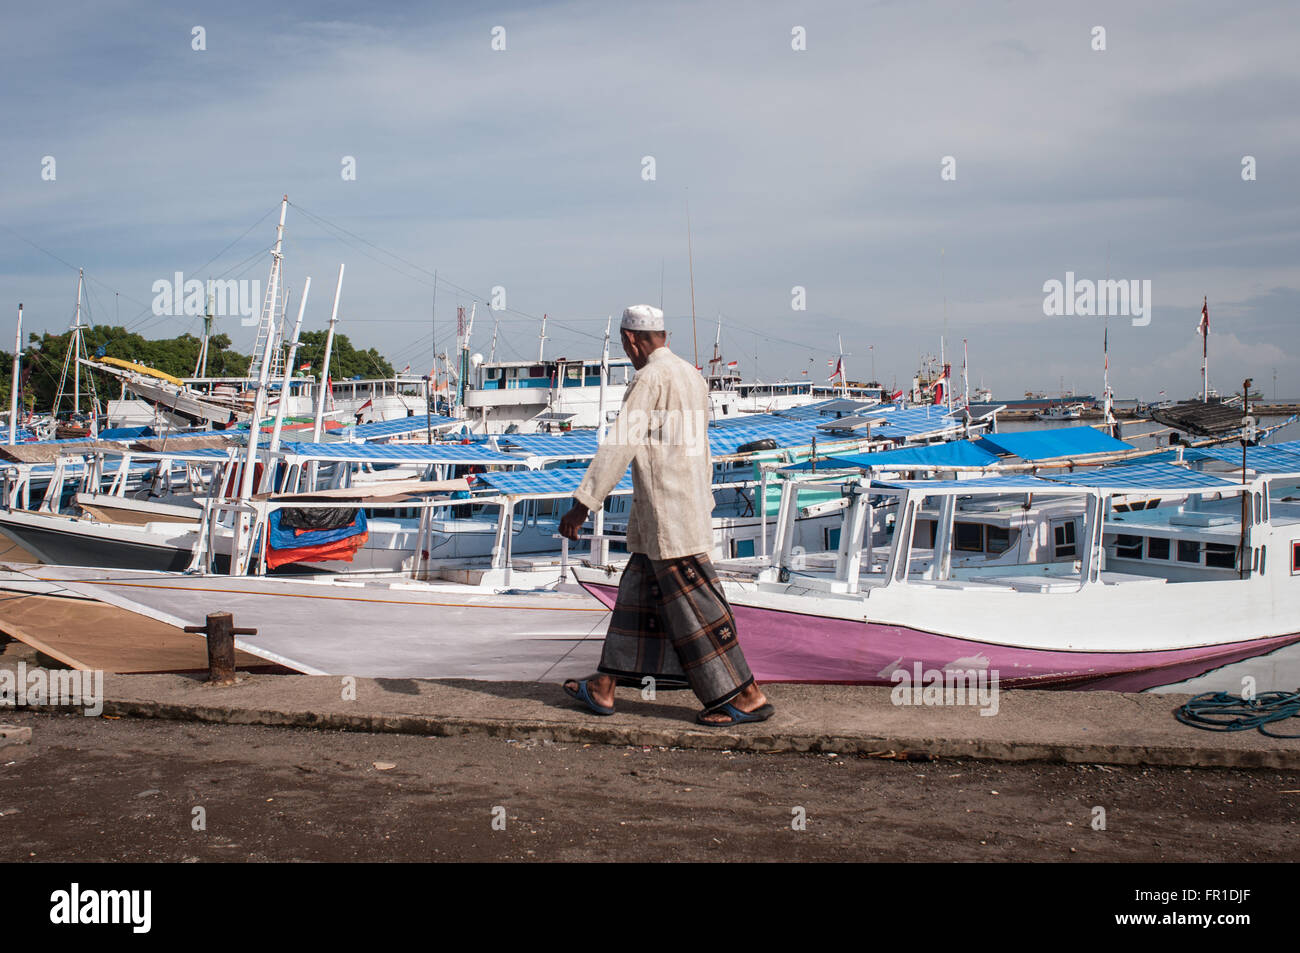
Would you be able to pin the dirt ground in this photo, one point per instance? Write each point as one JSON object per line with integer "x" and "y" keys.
{"x": 100, "y": 789}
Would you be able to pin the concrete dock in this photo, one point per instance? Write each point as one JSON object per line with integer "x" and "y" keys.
{"x": 1063, "y": 727}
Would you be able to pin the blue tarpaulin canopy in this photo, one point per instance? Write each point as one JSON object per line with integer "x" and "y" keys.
{"x": 1145, "y": 476}
{"x": 579, "y": 443}
{"x": 125, "y": 433}
{"x": 400, "y": 426}
{"x": 1050, "y": 444}
{"x": 399, "y": 452}
{"x": 1010, "y": 483}
{"x": 957, "y": 453}
{"x": 521, "y": 482}
{"x": 1278, "y": 458}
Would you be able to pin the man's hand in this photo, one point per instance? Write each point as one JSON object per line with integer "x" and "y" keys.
{"x": 571, "y": 522}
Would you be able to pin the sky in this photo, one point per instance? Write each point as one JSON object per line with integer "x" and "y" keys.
{"x": 821, "y": 169}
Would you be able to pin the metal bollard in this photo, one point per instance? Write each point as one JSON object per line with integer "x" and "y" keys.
{"x": 221, "y": 632}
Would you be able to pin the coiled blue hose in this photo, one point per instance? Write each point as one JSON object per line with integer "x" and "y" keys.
{"x": 1221, "y": 711}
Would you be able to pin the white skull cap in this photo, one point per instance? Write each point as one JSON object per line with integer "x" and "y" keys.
{"x": 642, "y": 317}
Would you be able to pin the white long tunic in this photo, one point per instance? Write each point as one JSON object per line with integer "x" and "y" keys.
{"x": 662, "y": 431}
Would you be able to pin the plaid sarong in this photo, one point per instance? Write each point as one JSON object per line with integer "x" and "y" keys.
{"x": 671, "y": 621}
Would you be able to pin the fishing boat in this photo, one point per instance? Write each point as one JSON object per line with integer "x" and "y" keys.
{"x": 1128, "y": 614}
{"x": 1063, "y": 410}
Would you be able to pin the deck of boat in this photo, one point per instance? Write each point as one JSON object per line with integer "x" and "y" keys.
{"x": 92, "y": 636}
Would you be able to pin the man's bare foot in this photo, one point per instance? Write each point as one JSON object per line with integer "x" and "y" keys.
{"x": 751, "y": 699}
{"x": 601, "y": 688}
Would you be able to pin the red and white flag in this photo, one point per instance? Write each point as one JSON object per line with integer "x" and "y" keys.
{"x": 406, "y": 369}
{"x": 896, "y": 395}
{"x": 305, "y": 367}
{"x": 1203, "y": 328}
{"x": 839, "y": 370}
{"x": 940, "y": 384}
{"x": 733, "y": 363}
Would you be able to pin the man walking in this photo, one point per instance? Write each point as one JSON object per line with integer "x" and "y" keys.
{"x": 671, "y": 620}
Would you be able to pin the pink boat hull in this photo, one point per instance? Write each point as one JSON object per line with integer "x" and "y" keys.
{"x": 794, "y": 647}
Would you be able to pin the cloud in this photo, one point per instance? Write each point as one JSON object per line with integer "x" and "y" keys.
{"x": 817, "y": 168}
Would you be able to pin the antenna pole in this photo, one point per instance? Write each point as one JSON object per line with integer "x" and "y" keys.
{"x": 13, "y": 384}
{"x": 690, "y": 257}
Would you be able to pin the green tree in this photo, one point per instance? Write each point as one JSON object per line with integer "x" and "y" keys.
{"x": 346, "y": 361}
{"x": 44, "y": 357}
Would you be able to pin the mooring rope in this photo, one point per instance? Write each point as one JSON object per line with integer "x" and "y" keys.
{"x": 1222, "y": 711}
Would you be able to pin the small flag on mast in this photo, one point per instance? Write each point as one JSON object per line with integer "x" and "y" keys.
{"x": 1203, "y": 327}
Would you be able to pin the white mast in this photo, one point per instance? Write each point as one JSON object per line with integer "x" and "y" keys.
{"x": 13, "y": 384}
{"x": 265, "y": 343}
{"x": 286, "y": 380}
{"x": 1205, "y": 349}
{"x": 604, "y": 381}
{"x": 492, "y": 352}
{"x": 1105, "y": 377}
{"x": 323, "y": 386}
{"x": 201, "y": 365}
{"x": 690, "y": 258}
{"x": 965, "y": 381}
{"x": 943, "y": 340}
{"x": 715, "y": 363}
{"x": 541, "y": 340}
{"x": 601, "y": 548}
{"x": 76, "y": 350}
{"x": 844, "y": 377}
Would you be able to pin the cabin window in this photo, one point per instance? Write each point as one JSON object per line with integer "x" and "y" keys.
{"x": 1189, "y": 551}
{"x": 1063, "y": 534}
{"x": 741, "y": 548}
{"x": 832, "y": 538}
{"x": 999, "y": 539}
{"x": 1221, "y": 555}
{"x": 1157, "y": 547}
{"x": 968, "y": 537}
{"x": 1295, "y": 558}
{"x": 537, "y": 370}
{"x": 1128, "y": 547}
{"x": 924, "y": 535}
{"x": 573, "y": 372}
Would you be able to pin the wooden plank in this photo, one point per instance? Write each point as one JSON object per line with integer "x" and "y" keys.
{"x": 94, "y": 636}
